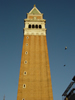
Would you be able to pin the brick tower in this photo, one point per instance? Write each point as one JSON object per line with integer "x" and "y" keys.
{"x": 34, "y": 78}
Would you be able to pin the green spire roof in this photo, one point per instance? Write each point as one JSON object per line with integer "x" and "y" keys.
{"x": 34, "y": 11}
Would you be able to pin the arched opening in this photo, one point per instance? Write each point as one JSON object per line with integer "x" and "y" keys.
{"x": 29, "y": 26}
{"x": 36, "y": 26}
{"x": 40, "y": 26}
{"x": 32, "y": 26}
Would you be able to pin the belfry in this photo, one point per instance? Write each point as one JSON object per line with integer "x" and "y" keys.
{"x": 34, "y": 77}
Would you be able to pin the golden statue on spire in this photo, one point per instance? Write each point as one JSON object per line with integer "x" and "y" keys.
{"x": 34, "y": 5}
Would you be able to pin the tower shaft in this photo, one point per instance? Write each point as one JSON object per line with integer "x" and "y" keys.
{"x": 34, "y": 78}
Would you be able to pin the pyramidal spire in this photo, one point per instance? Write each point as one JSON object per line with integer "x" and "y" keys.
{"x": 34, "y": 10}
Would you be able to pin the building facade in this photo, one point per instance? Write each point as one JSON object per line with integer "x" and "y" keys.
{"x": 34, "y": 78}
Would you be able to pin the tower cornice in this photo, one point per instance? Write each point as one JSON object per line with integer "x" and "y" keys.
{"x": 36, "y": 20}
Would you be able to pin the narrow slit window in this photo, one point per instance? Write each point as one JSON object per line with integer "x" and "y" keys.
{"x": 24, "y": 85}
{"x": 27, "y": 37}
{"x": 26, "y": 44}
{"x": 26, "y": 52}
{"x": 25, "y": 61}
{"x": 25, "y": 73}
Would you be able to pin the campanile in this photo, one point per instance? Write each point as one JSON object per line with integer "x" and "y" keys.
{"x": 34, "y": 77}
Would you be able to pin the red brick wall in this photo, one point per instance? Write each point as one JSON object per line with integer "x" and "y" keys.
{"x": 38, "y": 78}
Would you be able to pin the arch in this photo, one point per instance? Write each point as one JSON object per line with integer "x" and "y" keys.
{"x": 33, "y": 26}
{"x": 36, "y": 26}
{"x": 40, "y": 26}
{"x": 29, "y": 26}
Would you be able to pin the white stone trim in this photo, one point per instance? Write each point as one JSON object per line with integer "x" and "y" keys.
{"x": 35, "y": 31}
{"x": 37, "y": 20}
{"x": 35, "y": 34}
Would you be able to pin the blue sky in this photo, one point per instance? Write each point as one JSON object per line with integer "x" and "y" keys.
{"x": 60, "y": 24}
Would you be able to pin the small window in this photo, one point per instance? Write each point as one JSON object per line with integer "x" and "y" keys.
{"x": 24, "y": 85}
{"x": 29, "y": 26}
{"x": 27, "y": 37}
{"x": 26, "y": 52}
{"x": 40, "y": 26}
{"x": 25, "y": 61}
{"x": 32, "y": 26}
{"x": 26, "y": 44}
{"x": 25, "y": 73}
{"x": 36, "y": 26}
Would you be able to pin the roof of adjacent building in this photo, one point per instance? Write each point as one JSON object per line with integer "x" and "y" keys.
{"x": 68, "y": 88}
{"x": 73, "y": 78}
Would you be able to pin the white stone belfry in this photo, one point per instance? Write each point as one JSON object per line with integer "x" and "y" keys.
{"x": 34, "y": 24}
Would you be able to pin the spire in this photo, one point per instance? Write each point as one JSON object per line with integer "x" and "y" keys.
{"x": 34, "y": 10}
